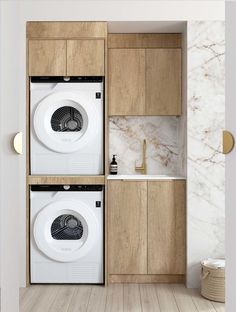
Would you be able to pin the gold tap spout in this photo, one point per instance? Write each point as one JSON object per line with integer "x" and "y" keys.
{"x": 143, "y": 167}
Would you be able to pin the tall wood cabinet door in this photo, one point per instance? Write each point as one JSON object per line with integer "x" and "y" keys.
{"x": 85, "y": 57}
{"x": 47, "y": 57}
{"x": 126, "y": 81}
{"x": 166, "y": 227}
{"x": 127, "y": 229}
{"x": 163, "y": 82}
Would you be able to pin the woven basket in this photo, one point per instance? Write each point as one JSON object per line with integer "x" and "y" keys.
{"x": 213, "y": 283}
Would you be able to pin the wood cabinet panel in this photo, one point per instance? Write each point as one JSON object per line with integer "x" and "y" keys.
{"x": 66, "y": 29}
{"x": 126, "y": 81}
{"x": 166, "y": 227}
{"x": 47, "y": 57}
{"x": 144, "y": 41}
{"x": 85, "y": 57}
{"x": 127, "y": 228}
{"x": 55, "y": 180}
{"x": 163, "y": 82}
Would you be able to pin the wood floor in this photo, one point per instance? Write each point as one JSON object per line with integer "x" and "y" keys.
{"x": 115, "y": 298}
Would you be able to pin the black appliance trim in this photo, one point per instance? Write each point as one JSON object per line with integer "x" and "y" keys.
{"x": 82, "y": 79}
{"x": 66, "y": 188}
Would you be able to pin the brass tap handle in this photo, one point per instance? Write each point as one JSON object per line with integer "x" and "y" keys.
{"x": 142, "y": 168}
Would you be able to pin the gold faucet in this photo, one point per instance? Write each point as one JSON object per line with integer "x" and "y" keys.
{"x": 143, "y": 167}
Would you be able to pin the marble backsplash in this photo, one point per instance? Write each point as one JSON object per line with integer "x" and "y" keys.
{"x": 126, "y": 135}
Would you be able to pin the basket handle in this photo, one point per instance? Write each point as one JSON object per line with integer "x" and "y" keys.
{"x": 205, "y": 275}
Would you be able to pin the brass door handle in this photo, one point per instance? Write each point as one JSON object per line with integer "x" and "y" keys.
{"x": 228, "y": 142}
{"x": 17, "y": 143}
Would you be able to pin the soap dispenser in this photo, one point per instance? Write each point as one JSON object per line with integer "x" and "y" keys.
{"x": 113, "y": 165}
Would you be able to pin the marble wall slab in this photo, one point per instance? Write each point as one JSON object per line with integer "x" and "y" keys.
{"x": 205, "y": 162}
{"x": 126, "y": 135}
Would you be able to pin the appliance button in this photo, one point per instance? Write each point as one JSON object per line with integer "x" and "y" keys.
{"x": 98, "y": 95}
{"x": 66, "y": 187}
{"x": 98, "y": 203}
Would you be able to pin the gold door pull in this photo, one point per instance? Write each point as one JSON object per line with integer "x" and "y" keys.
{"x": 143, "y": 167}
{"x": 17, "y": 143}
{"x": 228, "y": 142}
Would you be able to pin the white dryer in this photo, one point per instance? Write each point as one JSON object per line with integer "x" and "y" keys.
{"x": 66, "y": 234}
{"x": 66, "y": 123}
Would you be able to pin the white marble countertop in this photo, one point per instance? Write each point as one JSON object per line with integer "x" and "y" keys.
{"x": 144, "y": 177}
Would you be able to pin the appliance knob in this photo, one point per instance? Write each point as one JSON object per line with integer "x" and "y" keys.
{"x": 66, "y": 187}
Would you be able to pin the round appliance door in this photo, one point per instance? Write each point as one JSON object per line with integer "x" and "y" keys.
{"x": 65, "y": 230}
{"x": 65, "y": 122}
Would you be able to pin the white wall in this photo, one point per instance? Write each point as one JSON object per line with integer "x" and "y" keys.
{"x": 12, "y": 169}
{"x": 230, "y": 158}
{"x": 15, "y": 59}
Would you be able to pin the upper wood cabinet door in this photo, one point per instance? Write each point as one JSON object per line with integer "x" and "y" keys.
{"x": 126, "y": 81}
{"x": 163, "y": 81}
{"x": 85, "y": 57}
{"x": 166, "y": 227}
{"x": 127, "y": 228}
{"x": 47, "y": 57}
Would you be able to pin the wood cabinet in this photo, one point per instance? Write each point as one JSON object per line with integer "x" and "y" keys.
{"x": 127, "y": 237}
{"x": 126, "y": 81}
{"x": 144, "y": 81}
{"x": 163, "y": 82}
{"x": 47, "y": 57}
{"x": 85, "y": 57}
{"x": 146, "y": 229}
{"x": 166, "y": 227}
{"x": 66, "y": 57}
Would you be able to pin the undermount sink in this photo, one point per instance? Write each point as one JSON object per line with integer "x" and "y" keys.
{"x": 144, "y": 177}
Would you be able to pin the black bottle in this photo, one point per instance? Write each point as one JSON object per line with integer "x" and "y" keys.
{"x": 113, "y": 165}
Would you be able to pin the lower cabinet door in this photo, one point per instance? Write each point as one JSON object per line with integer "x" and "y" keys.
{"x": 166, "y": 227}
{"x": 127, "y": 230}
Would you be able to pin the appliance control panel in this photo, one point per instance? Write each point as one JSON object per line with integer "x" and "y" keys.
{"x": 67, "y": 188}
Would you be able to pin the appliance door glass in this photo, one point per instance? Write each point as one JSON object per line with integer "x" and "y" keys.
{"x": 65, "y": 122}
{"x": 65, "y": 230}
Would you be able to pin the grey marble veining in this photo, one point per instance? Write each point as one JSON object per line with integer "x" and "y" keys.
{"x": 126, "y": 135}
{"x": 205, "y": 162}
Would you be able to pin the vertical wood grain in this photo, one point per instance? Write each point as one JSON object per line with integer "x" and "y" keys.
{"x": 163, "y": 82}
{"x": 127, "y": 227}
{"x": 126, "y": 81}
{"x": 85, "y": 58}
{"x": 47, "y": 57}
{"x": 166, "y": 227}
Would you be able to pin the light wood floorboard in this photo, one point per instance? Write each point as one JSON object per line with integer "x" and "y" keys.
{"x": 115, "y": 298}
{"x": 183, "y": 299}
{"x": 132, "y": 301}
{"x": 98, "y": 299}
{"x": 166, "y": 298}
{"x": 62, "y": 299}
{"x": 201, "y": 304}
{"x": 80, "y": 299}
{"x": 219, "y": 307}
{"x": 149, "y": 300}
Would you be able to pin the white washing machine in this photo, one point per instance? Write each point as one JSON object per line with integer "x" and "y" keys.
{"x": 66, "y": 123}
{"x": 66, "y": 234}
